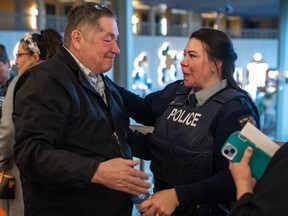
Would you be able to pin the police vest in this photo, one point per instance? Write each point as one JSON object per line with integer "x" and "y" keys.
{"x": 181, "y": 144}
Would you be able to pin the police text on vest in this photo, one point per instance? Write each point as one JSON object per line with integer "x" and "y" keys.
{"x": 189, "y": 118}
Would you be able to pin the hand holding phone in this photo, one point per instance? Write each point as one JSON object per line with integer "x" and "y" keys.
{"x": 234, "y": 148}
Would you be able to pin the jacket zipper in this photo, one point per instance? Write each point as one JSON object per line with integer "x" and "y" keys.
{"x": 119, "y": 144}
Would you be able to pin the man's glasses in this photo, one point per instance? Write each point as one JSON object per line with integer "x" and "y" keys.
{"x": 98, "y": 7}
{"x": 20, "y": 54}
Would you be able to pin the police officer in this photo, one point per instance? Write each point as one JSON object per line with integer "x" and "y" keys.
{"x": 195, "y": 117}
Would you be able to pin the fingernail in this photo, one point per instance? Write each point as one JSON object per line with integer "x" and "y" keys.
{"x": 249, "y": 149}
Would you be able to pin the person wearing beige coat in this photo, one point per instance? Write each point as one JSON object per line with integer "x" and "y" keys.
{"x": 13, "y": 207}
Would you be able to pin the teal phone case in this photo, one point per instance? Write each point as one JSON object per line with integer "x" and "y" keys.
{"x": 234, "y": 148}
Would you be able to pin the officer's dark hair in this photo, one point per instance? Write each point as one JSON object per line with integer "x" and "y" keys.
{"x": 85, "y": 14}
{"x": 3, "y": 54}
{"x": 218, "y": 45}
{"x": 47, "y": 41}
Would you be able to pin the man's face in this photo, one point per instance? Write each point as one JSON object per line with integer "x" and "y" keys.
{"x": 4, "y": 71}
{"x": 98, "y": 49}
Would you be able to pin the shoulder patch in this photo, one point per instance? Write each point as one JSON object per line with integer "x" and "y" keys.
{"x": 246, "y": 119}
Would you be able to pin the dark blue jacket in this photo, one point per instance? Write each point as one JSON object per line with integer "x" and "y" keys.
{"x": 63, "y": 131}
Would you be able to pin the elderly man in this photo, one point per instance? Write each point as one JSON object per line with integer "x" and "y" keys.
{"x": 73, "y": 142}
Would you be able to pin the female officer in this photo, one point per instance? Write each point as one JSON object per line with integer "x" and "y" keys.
{"x": 191, "y": 176}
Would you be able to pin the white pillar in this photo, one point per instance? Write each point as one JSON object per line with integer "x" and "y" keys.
{"x": 282, "y": 87}
{"x": 40, "y": 24}
{"x": 152, "y": 20}
{"x": 190, "y": 23}
{"x": 123, "y": 66}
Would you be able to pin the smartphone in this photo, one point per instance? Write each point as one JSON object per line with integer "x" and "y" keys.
{"x": 234, "y": 148}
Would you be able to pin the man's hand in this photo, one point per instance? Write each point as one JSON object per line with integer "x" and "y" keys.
{"x": 241, "y": 173}
{"x": 119, "y": 174}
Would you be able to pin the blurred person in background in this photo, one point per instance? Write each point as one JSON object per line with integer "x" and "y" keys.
{"x": 32, "y": 50}
{"x": 6, "y": 75}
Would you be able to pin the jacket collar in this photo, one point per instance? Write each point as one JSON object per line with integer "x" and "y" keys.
{"x": 68, "y": 58}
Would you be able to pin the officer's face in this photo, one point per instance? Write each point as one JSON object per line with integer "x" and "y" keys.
{"x": 198, "y": 70}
